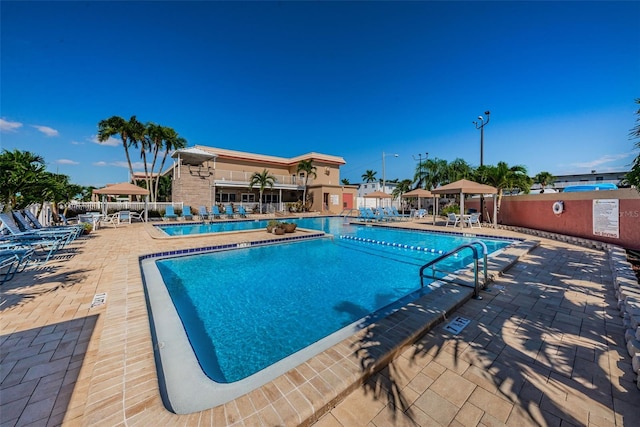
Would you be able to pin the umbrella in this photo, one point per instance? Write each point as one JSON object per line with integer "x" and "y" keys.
{"x": 464, "y": 186}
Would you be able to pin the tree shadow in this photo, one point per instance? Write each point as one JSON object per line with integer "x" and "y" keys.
{"x": 542, "y": 339}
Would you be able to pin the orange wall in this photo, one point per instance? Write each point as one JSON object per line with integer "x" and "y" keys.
{"x": 536, "y": 211}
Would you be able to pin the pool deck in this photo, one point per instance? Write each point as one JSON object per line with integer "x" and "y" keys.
{"x": 545, "y": 346}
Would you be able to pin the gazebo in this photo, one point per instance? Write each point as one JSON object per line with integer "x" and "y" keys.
{"x": 378, "y": 195}
{"x": 422, "y": 193}
{"x": 125, "y": 189}
{"x": 465, "y": 186}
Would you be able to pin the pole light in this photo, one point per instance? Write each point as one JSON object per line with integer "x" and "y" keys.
{"x": 480, "y": 125}
{"x": 384, "y": 190}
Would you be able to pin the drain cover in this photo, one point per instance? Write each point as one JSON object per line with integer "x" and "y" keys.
{"x": 99, "y": 299}
{"x": 457, "y": 325}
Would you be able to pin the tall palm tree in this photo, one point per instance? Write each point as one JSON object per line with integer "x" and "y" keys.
{"x": 128, "y": 131}
{"x": 345, "y": 181}
{"x": 369, "y": 176}
{"x": 544, "y": 179}
{"x": 155, "y": 134}
{"x": 503, "y": 177}
{"x": 307, "y": 167}
{"x": 262, "y": 180}
{"x": 172, "y": 141}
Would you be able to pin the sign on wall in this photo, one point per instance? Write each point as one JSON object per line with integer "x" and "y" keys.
{"x": 606, "y": 218}
{"x": 335, "y": 199}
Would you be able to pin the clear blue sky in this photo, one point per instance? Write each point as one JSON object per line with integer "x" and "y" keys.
{"x": 353, "y": 79}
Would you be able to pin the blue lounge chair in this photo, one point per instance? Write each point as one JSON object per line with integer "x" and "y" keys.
{"x": 202, "y": 212}
{"x": 9, "y": 224}
{"x": 13, "y": 260}
{"x": 215, "y": 212}
{"x": 186, "y": 213}
{"x": 364, "y": 215}
{"x": 170, "y": 213}
{"x": 228, "y": 211}
{"x": 242, "y": 212}
{"x": 31, "y": 218}
{"x": 396, "y": 214}
{"x": 377, "y": 216}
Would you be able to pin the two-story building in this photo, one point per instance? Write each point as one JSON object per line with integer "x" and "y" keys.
{"x": 205, "y": 176}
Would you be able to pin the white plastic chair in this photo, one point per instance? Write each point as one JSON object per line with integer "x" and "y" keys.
{"x": 452, "y": 219}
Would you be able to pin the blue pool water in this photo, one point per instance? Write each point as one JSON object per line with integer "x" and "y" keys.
{"x": 244, "y": 310}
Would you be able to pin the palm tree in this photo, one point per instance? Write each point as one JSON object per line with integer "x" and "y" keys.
{"x": 459, "y": 169}
{"x": 21, "y": 173}
{"x": 172, "y": 141}
{"x": 307, "y": 167}
{"x": 544, "y": 179}
{"x": 403, "y": 186}
{"x": 504, "y": 178}
{"x": 431, "y": 173}
{"x": 345, "y": 181}
{"x": 128, "y": 131}
{"x": 156, "y": 135}
{"x": 369, "y": 176}
{"x": 633, "y": 177}
{"x": 263, "y": 180}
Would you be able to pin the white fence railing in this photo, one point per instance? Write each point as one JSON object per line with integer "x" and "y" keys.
{"x": 122, "y": 206}
{"x": 241, "y": 176}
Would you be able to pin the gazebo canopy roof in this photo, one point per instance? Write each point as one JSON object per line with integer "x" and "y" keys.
{"x": 465, "y": 186}
{"x": 123, "y": 189}
{"x": 378, "y": 195}
{"x": 418, "y": 192}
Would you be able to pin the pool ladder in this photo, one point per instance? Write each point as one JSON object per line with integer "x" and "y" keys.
{"x": 431, "y": 268}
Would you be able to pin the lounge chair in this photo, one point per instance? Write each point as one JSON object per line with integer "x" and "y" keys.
{"x": 366, "y": 215}
{"x": 186, "y": 213}
{"x": 32, "y": 250}
{"x": 9, "y": 224}
{"x": 242, "y": 212}
{"x": 228, "y": 211}
{"x": 452, "y": 219}
{"x": 215, "y": 212}
{"x": 396, "y": 214}
{"x": 37, "y": 225}
{"x": 376, "y": 216}
{"x": 13, "y": 259}
{"x": 474, "y": 220}
{"x": 202, "y": 212}
{"x": 170, "y": 213}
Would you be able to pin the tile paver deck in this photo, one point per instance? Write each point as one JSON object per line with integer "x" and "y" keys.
{"x": 545, "y": 347}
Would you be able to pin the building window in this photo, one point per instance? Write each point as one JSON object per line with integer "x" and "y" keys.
{"x": 248, "y": 197}
{"x": 225, "y": 197}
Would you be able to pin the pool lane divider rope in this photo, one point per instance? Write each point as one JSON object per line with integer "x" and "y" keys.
{"x": 394, "y": 245}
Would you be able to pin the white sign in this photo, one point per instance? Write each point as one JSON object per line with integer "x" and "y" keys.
{"x": 606, "y": 219}
{"x": 335, "y": 199}
{"x": 457, "y": 325}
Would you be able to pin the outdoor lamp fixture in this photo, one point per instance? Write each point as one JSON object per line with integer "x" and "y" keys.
{"x": 480, "y": 125}
{"x": 383, "y": 175}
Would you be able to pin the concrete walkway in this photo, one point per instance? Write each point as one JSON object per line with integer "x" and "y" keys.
{"x": 544, "y": 347}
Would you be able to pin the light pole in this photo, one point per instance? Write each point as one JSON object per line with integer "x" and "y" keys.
{"x": 384, "y": 190}
{"x": 419, "y": 159}
{"x": 480, "y": 125}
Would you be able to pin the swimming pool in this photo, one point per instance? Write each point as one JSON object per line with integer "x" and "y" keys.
{"x": 250, "y": 315}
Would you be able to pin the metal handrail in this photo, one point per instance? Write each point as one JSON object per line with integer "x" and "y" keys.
{"x": 472, "y": 246}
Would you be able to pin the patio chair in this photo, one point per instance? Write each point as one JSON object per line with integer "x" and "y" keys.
{"x": 111, "y": 219}
{"x": 228, "y": 211}
{"x": 170, "y": 213}
{"x": 31, "y": 250}
{"x": 13, "y": 259}
{"x": 242, "y": 212}
{"x": 396, "y": 214}
{"x": 124, "y": 217}
{"x": 366, "y": 215}
{"x": 186, "y": 213}
{"x": 202, "y": 212}
{"x": 452, "y": 219}
{"x": 138, "y": 216}
{"x": 474, "y": 220}
{"x": 215, "y": 212}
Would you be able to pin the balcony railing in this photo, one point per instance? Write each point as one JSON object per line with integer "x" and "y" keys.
{"x": 245, "y": 176}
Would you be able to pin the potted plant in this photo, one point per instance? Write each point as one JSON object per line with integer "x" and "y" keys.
{"x": 279, "y": 230}
{"x": 87, "y": 227}
{"x": 272, "y": 224}
{"x": 289, "y": 227}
